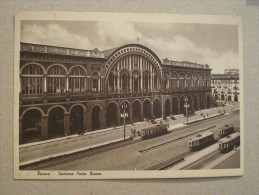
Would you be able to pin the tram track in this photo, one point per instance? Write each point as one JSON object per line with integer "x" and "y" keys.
{"x": 172, "y": 141}
{"x": 49, "y": 163}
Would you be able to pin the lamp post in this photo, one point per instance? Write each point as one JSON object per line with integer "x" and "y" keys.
{"x": 186, "y": 105}
{"x": 124, "y": 114}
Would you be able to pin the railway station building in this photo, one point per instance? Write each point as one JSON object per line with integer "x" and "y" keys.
{"x": 66, "y": 91}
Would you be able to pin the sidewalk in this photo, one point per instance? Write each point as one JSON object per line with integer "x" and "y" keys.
{"x": 42, "y": 150}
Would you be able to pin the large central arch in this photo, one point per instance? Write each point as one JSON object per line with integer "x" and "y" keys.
{"x": 131, "y": 58}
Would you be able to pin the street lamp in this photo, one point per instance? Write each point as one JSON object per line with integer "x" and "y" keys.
{"x": 124, "y": 114}
{"x": 186, "y": 105}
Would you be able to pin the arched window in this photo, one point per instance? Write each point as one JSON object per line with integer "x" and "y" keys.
{"x": 201, "y": 81}
{"x": 77, "y": 81}
{"x": 96, "y": 82}
{"x": 166, "y": 81}
{"x": 195, "y": 81}
{"x": 124, "y": 75}
{"x": 56, "y": 81}
{"x": 174, "y": 80}
{"x": 136, "y": 80}
{"x": 146, "y": 80}
{"x": 156, "y": 82}
{"x": 32, "y": 79}
{"x": 189, "y": 80}
{"x": 112, "y": 81}
{"x": 182, "y": 81}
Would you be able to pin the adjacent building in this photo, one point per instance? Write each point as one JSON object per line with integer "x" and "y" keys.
{"x": 225, "y": 87}
{"x": 66, "y": 91}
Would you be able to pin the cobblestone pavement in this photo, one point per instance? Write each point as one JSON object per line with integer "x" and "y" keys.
{"x": 32, "y": 151}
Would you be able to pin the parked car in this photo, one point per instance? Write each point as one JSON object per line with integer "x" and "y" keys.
{"x": 172, "y": 117}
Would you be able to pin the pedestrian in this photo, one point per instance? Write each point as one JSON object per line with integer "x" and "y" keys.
{"x": 207, "y": 114}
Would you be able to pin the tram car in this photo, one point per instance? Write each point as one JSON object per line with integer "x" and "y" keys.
{"x": 226, "y": 130}
{"x": 229, "y": 142}
{"x": 201, "y": 140}
{"x": 153, "y": 131}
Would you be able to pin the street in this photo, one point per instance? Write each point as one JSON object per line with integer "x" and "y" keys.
{"x": 129, "y": 157}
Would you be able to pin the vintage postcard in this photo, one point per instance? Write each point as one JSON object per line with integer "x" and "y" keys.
{"x": 127, "y": 95}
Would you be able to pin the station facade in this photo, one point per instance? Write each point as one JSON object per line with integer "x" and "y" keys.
{"x": 66, "y": 91}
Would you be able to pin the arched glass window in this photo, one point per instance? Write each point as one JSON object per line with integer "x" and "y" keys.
{"x": 112, "y": 81}
{"x": 124, "y": 75}
{"x": 146, "y": 80}
{"x": 32, "y": 79}
{"x": 189, "y": 80}
{"x": 182, "y": 81}
{"x": 201, "y": 81}
{"x": 96, "y": 82}
{"x": 156, "y": 82}
{"x": 166, "y": 81}
{"x": 136, "y": 80}
{"x": 77, "y": 81}
{"x": 56, "y": 79}
{"x": 174, "y": 80}
{"x": 195, "y": 81}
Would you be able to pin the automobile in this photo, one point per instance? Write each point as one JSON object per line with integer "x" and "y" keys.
{"x": 172, "y": 117}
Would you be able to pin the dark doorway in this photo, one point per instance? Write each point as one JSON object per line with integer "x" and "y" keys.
{"x": 136, "y": 109}
{"x": 235, "y": 98}
{"x": 196, "y": 103}
{"x": 112, "y": 115}
{"x": 208, "y": 101}
{"x": 77, "y": 120}
{"x": 182, "y": 108}
{"x": 157, "y": 108}
{"x": 96, "y": 118}
{"x": 201, "y": 102}
{"x": 32, "y": 126}
{"x": 167, "y": 108}
{"x": 175, "y": 105}
{"x": 56, "y": 123}
{"x": 147, "y": 109}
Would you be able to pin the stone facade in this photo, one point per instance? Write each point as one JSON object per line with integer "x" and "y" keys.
{"x": 66, "y": 91}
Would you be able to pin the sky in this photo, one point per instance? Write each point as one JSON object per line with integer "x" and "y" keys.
{"x": 213, "y": 44}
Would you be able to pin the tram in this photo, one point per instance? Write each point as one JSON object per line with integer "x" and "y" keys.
{"x": 153, "y": 131}
{"x": 201, "y": 140}
{"x": 226, "y": 130}
{"x": 229, "y": 142}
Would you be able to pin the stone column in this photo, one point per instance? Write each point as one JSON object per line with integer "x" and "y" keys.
{"x": 141, "y": 81}
{"x": 179, "y": 106}
{"x": 103, "y": 118}
{"x": 45, "y": 130}
{"x": 67, "y": 83}
{"x": 171, "y": 105}
{"x": 130, "y": 113}
{"x": 88, "y": 120}
{"x": 152, "y": 110}
{"x": 85, "y": 121}
{"x": 67, "y": 123}
{"x": 119, "y": 114}
{"x": 142, "y": 112}
{"x": 44, "y": 83}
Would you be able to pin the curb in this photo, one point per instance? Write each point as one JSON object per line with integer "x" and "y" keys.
{"x": 74, "y": 136}
{"x": 214, "y": 116}
{"x": 45, "y": 158}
